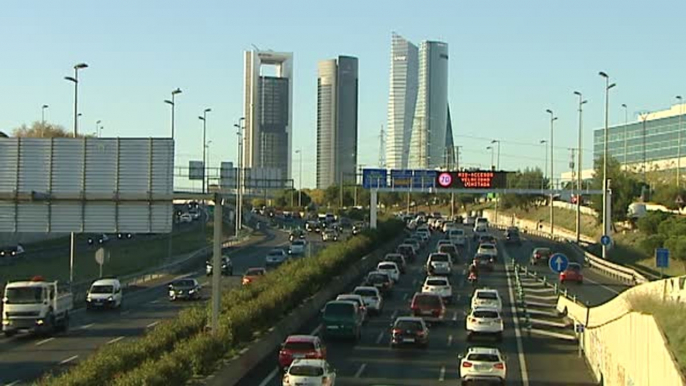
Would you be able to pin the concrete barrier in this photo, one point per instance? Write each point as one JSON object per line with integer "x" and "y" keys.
{"x": 236, "y": 368}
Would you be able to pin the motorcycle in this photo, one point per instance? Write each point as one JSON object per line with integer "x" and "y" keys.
{"x": 473, "y": 278}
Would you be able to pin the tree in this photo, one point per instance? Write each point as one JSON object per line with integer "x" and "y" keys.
{"x": 40, "y": 130}
{"x": 3, "y": 135}
{"x": 331, "y": 195}
{"x": 527, "y": 179}
{"x": 625, "y": 188}
{"x": 666, "y": 194}
{"x": 317, "y": 195}
{"x": 677, "y": 248}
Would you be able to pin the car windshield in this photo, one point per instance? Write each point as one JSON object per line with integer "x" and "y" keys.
{"x": 410, "y": 241}
{"x": 574, "y": 268}
{"x": 440, "y": 257}
{"x": 366, "y": 293}
{"x": 406, "y": 249}
{"x": 338, "y": 309}
{"x": 306, "y": 371}
{"x": 542, "y": 251}
{"x": 394, "y": 258}
{"x": 378, "y": 278}
{"x": 427, "y": 300}
{"x": 254, "y": 272}
{"x": 102, "y": 289}
{"x": 24, "y": 295}
{"x": 298, "y": 243}
{"x": 482, "y": 357}
{"x": 457, "y": 232}
{"x": 437, "y": 282}
{"x": 350, "y": 299}
{"x": 276, "y": 253}
{"x": 413, "y": 325}
{"x": 387, "y": 267}
{"x": 485, "y": 314}
{"x": 446, "y": 249}
{"x": 183, "y": 283}
{"x": 299, "y": 346}
{"x": 482, "y": 257}
{"x": 487, "y": 295}
{"x": 487, "y": 246}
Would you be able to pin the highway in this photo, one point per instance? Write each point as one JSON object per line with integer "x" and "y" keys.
{"x": 531, "y": 360}
{"x": 24, "y": 358}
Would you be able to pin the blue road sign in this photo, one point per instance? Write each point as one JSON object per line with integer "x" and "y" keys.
{"x": 374, "y": 178}
{"x": 605, "y": 240}
{"x": 558, "y": 262}
{"x": 424, "y": 179}
{"x": 662, "y": 257}
{"x": 579, "y": 328}
{"x": 401, "y": 178}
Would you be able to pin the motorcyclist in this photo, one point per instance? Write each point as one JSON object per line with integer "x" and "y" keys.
{"x": 473, "y": 271}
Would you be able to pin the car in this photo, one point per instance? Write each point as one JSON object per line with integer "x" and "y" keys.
{"x": 315, "y": 372}
{"x": 443, "y": 242}
{"x": 275, "y": 258}
{"x": 487, "y": 238}
{"x": 227, "y": 266}
{"x": 380, "y": 280}
{"x": 486, "y": 262}
{"x": 186, "y": 218}
{"x": 457, "y": 237}
{"x": 540, "y": 254}
{"x": 296, "y": 234}
{"x": 329, "y": 235}
{"x": 188, "y": 289}
{"x": 124, "y": 236}
{"x": 484, "y": 321}
{"x": 104, "y": 293}
{"x": 488, "y": 249}
{"x": 357, "y": 228}
{"x": 298, "y": 247}
{"x": 439, "y": 264}
{"x": 572, "y": 273}
{"x": 439, "y": 285}
{"x": 410, "y": 330}
{"x": 428, "y": 306}
{"x": 98, "y": 239}
{"x": 481, "y": 365}
{"x": 357, "y": 299}
{"x": 300, "y": 347}
{"x": 398, "y": 259}
{"x": 253, "y": 274}
{"x": 390, "y": 268}
{"x": 342, "y": 319}
{"x": 12, "y": 251}
{"x": 408, "y": 251}
{"x": 512, "y": 236}
{"x": 414, "y": 243}
{"x": 438, "y": 224}
{"x": 310, "y": 226}
{"x": 448, "y": 226}
{"x": 469, "y": 220}
{"x": 481, "y": 224}
{"x": 372, "y": 299}
{"x": 451, "y": 250}
{"x": 195, "y": 214}
{"x": 487, "y": 297}
{"x": 423, "y": 237}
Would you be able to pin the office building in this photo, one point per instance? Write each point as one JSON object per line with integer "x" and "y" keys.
{"x": 268, "y": 111}
{"x": 337, "y": 97}
{"x": 649, "y": 143}
{"x": 401, "y": 101}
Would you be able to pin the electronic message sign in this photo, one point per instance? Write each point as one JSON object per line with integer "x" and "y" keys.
{"x": 472, "y": 179}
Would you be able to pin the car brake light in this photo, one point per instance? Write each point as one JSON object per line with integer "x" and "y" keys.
{"x": 473, "y": 320}
{"x": 420, "y": 333}
{"x": 466, "y": 364}
{"x": 397, "y": 331}
{"x": 537, "y": 255}
{"x": 499, "y": 366}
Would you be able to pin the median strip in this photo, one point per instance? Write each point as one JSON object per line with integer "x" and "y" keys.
{"x": 441, "y": 374}
{"x": 115, "y": 340}
{"x": 44, "y": 341}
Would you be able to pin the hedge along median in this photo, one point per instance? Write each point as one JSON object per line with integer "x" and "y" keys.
{"x": 177, "y": 349}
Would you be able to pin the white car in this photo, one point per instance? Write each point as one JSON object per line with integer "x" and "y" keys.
{"x": 485, "y": 321}
{"x": 329, "y": 235}
{"x": 457, "y": 237}
{"x": 276, "y": 257}
{"x": 298, "y": 247}
{"x": 439, "y": 264}
{"x": 469, "y": 220}
{"x": 483, "y": 364}
{"x": 372, "y": 298}
{"x": 481, "y": 224}
{"x": 487, "y": 297}
{"x": 310, "y": 372}
{"x": 104, "y": 293}
{"x": 186, "y": 218}
{"x": 391, "y": 268}
{"x": 487, "y": 249}
{"x": 439, "y": 285}
{"x": 357, "y": 299}
{"x": 447, "y": 226}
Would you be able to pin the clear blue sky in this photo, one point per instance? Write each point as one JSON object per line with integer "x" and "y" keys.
{"x": 509, "y": 62}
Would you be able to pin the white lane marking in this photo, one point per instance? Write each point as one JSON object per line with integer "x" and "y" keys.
{"x": 378, "y": 338}
{"x": 316, "y": 330}
{"x": 359, "y": 371}
{"x": 405, "y": 296}
{"x": 441, "y": 376}
{"x": 601, "y": 285}
{"x": 155, "y": 301}
{"x": 394, "y": 315}
{"x": 126, "y": 312}
{"x": 64, "y": 362}
{"x": 153, "y": 324}
{"x": 455, "y": 316}
{"x": 44, "y": 341}
{"x": 450, "y": 340}
{"x": 85, "y": 326}
{"x": 115, "y": 340}
{"x": 14, "y": 383}
{"x": 269, "y": 377}
{"x": 518, "y": 332}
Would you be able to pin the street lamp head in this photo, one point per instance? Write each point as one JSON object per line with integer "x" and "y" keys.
{"x": 169, "y": 102}
{"x": 549, "y": 111}
{"x": 201, "y": 118}
{"x": 79, "y": 114}
{"x": 624, "y": 105}
{"x": 584, "y": 102}
{"x": 80, "y": 66}
{"x": 177, "y": 91}
{"x": 236, "y": 125}
{"x": 495, "y": 141}
{"x": 45, "y": 106}
{"x": 489, "y": 147}
{"x": 611, "y": 86}
{"x": 71, "y": 79}
{"x": 98, "y": 122}
{"x": 207, "y": 110}
{"x": 678, "y": 97}
{"x": 604, "y": 75}
{"x": 555, "y": 119}
{"x": 577, "y": 93}
{"x": 543, "y": 141}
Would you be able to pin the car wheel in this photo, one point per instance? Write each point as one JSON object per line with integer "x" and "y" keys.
{"x": 9, "y": 334}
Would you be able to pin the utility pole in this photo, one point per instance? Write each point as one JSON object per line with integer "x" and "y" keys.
{"x": 678, "y": 159}
{"x": 553, "y": 118}
{"x": 582, "y": 101}
{"x": 606, "y": 220}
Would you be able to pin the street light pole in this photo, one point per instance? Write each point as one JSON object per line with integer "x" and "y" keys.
{"x": 42, "y": 120}
{"x": 578, "y": 168}
{"x": 300, "y": 179}
{"x": 97, "y": 131}
{"x": 239, "y": 172}
{"x": 203, "y": 118}
{"x": 491, "y": 148}
{"x": 606, "y": 215}
{"x": 678, "y": 159}
{"x": 172, "y": 103}
{"x": 626, "y": 133}
{"x": 545, "y": 165}
{"x": 553, "y": 118}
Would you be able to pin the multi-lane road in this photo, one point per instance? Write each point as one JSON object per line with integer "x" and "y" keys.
{"x": 25, "y": 358}
{"x": 531, "y": 360}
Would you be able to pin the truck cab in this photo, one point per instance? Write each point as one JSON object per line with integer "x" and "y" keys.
{"x": 36, "y": 306}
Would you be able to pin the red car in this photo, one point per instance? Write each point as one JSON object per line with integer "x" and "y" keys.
{"x": 300, "y": 347}
{"x": 428, "y": 306}
{"x": 253, "y": 274}
{"x": 572, "y": 273}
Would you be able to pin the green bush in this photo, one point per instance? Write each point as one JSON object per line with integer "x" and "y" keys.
{"x": 244, "y": 312}
{"x": 650, "y": 223}
{"x": 650, "y": 243}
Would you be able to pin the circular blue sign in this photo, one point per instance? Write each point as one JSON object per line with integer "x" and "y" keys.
{"x": 558, "y": 262}
{"x": 605, "y": 240}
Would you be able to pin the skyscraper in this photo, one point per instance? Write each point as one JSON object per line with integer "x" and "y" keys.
{"x": 268, "y": 111}
{"x": 430, "y": 124}
{"x": 401, "y": 101}
{"x": 337, "y": 93}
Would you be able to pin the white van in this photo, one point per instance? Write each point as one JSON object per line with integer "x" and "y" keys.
{"x": 104, "y": 293}
{"x": 481, "y": 224}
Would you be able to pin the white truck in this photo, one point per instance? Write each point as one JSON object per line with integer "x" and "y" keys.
{"x": 36, "y": 306}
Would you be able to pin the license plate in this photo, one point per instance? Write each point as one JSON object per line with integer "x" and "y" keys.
{"x": 332, "y": 327}
{"x": 427, "y": 312}
{"x": 408, "y": 340}
{"x": 482, "y": 367}
{"x": 298, "y": 356}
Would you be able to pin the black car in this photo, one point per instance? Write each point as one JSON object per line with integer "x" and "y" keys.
{"x": 512, "y": 236}
{"x": 488, "y": 239}
{"x": 296, "y": 234}
{"x": 227, "y": 266}
{"x": 379, "y": 280}
{"x": 486, "y": 262}
{"x": 98, "y": 239}
{"x": 122, "y": 236}
{"x": 407, "y": 251}
{"x": 187, "y": 289}
{"x": 12, "y": 251}
{"x": 409, "y": 330}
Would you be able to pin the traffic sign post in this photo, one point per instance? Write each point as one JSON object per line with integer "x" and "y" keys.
{"x": 100, "y": 258}
{"x": 558, "y": 262}
{"x": 662, "y": 259}
{"x": 605, "y": 240}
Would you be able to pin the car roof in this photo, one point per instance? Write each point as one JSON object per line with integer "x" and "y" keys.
{"x": 302, "y": 338}
{"x": 366, "y": 287}
{"x": 483, "y": 350}
{"x": 436, "y": 278}
{"x": 437, "y": 254}
{"x": 485, "y": 308}
{"x": 486, "y": 290}
{"x": 408, "y": 319}
{"x": 387, "y": 263}
{"x": 177, "y": 281}
{"x": 541, "y": 249}
{"x": 106, "y": 282}
{"x": 426, "y": 294}
{"x": 309, "y": 362}
{"x": 486, "y": 245}
{"x": 353, "y": 296}
{"x": 255, "y": 269}
{"x": 342, "y": 302}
